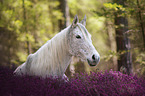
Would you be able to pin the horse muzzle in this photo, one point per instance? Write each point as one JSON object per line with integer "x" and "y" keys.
{"x": 94, "y": 60}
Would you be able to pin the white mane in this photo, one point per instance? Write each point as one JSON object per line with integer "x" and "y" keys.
{"x": 43, "y": 62}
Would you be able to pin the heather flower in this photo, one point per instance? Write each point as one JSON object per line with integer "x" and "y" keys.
{"x": 108, "y": 83}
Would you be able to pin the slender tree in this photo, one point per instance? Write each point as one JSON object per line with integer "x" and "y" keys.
{"x": 65, "y": 11}
{"x": 25, "y": 28}
{"x": 122, "y": 40}
{"x": 141, "y": 21}
{"x": 111, "y": 41}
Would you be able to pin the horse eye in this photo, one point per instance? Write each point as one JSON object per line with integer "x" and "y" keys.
{"x": 78, "y": 37}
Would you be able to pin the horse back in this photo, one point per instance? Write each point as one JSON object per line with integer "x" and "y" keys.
{"x": 25, "y": 67}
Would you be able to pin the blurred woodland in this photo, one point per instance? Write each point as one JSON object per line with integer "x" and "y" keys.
{"x": 117, "y": 28}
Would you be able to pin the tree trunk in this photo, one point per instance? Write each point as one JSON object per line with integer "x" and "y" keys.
{"x": 25, "y": 28}
{"x": 141, "y": 22}
{"x": 63, "y": 23}
{"x": 112, "y": 44}
{"x": 122, "y": 40}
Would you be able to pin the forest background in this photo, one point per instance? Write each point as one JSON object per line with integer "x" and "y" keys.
{"x": 117, "y": 28}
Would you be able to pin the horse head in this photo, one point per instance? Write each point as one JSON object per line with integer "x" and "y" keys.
{"x": 80, "y": 43}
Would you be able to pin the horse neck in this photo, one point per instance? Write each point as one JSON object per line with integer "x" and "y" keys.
{"x": 60, "y": 49}
{"x": 53, "y": 58}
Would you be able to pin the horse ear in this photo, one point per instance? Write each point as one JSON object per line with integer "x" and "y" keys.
{"x": 84, "y": 21}
{"x": 75, "y": 21}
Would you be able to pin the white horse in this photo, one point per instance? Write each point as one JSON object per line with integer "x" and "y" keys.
{"x": 53, "y": 58}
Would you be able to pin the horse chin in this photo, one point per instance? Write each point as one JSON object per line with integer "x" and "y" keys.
{"x": 92, "y": 63}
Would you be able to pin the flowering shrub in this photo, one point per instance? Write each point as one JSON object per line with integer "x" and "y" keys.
{"x": 110, "y": 83}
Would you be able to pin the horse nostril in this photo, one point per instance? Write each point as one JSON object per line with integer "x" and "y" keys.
{"x": 93, "y": 57}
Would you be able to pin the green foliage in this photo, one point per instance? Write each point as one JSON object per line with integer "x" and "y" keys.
{"x": 141, "y": 60}
{"x": 36, "y": 28}
{"x": 109, "y": 55}
{"x": 114, "y": 6}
